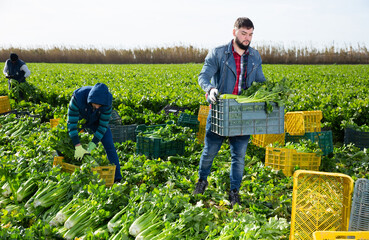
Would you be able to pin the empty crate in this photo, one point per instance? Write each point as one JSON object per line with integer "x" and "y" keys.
{"x": 360, "y": 139}
{"x": 321, "y": 201}
{"x": 300, "y": 122}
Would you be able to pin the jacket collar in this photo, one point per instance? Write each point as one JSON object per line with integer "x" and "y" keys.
{"x": 229, "y": 49}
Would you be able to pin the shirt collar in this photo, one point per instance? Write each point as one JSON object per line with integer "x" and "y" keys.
{"x": 247, "y": 51}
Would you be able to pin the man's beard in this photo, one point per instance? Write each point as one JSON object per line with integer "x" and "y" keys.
{"x": 240, "y": 45}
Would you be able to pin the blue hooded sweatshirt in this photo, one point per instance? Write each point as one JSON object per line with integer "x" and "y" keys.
{"x": 80, "y": 107}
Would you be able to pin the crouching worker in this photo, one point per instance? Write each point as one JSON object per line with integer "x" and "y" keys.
{"x": 94, "y": 104}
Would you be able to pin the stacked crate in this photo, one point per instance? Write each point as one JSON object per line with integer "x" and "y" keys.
{"x": 296, "y": 125}
{"x": 202, "y": 117}
{"x": 121, "y": 133}
{"x": 300, "y": 125}
{"x": 307, "y": 125}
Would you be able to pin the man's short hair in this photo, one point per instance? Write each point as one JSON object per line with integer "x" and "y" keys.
{"x": 243, "y": 22}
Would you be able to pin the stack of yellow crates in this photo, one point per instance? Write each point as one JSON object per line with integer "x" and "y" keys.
{"x": 296, "y": 123}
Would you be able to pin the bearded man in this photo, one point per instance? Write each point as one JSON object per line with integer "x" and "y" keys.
{"x": 228, "y": 69}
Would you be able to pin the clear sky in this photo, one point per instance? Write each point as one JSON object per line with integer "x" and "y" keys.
{"x": 164, "y": 23}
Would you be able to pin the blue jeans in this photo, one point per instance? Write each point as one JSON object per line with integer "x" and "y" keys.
{"x": 213, "y": 142}
{"x": 111, "y": 152}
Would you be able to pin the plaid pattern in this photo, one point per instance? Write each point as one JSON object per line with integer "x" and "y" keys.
{"x": 241, "y": 67}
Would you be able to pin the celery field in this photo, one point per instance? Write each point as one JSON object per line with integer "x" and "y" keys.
{"x": 39, "y": 201}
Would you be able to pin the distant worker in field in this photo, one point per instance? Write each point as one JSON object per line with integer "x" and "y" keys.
{"x": 228, "y": 69}
{"x": 16, "y": 69}
{"x": 94, "y": 104}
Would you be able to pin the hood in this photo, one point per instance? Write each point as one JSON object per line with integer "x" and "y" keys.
{"x": 100, "y": 94}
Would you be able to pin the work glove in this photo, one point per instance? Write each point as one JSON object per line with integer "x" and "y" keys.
{"x": 79, "y": 152}
{"x": 91, "y": 146}
{"x": 213, "y": 95}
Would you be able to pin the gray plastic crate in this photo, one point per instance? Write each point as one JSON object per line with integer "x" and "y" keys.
{"x": 359, "y": 218}
{"x": 122, "y": 133}
{"x": 230, "y": 118}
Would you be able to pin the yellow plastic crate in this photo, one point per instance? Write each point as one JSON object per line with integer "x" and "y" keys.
{"x": 66, "y": 167}
{"x": 106, "y": 172}
{"x": 202, "y": 116}
{"x": 297, "y": 123}
{"x": 287, "y": 159}
{"x": 204, "y": 111}
{"x": 4, "y": 104}
{"x": 321, "y": 201}
{"x": 54, "y": 122}
{"x": 342, "y": 235}
{"x": 262, "y": 140}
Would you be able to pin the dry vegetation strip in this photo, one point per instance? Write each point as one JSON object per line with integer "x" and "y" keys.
{"x": 181, "y": 54}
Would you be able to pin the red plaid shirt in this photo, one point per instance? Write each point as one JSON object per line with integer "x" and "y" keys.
{"x": 237, "y": 59}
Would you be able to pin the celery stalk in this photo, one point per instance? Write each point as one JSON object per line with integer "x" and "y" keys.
{"x": 142, "y": 222}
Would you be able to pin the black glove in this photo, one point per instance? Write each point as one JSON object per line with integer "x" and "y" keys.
{"x": 9, "y": 77}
